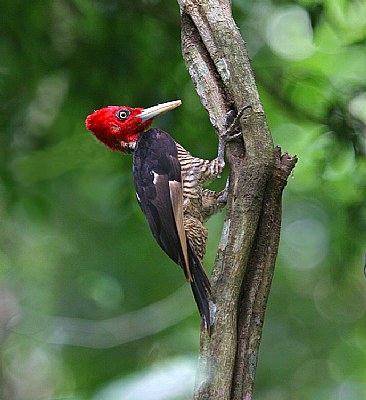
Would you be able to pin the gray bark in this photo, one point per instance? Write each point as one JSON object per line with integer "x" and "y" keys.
{"x": 218, "y": 63}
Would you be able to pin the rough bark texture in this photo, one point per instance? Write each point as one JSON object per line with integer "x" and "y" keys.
{"x": 217, "y": 60}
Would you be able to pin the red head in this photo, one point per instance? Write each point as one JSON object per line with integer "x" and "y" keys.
{"x": 118, "y": 127}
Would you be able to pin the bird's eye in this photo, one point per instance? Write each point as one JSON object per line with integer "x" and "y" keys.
{"x": 123, "y": 114}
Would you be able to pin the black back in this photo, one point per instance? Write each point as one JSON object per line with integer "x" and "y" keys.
{"x": 155, "y": 163}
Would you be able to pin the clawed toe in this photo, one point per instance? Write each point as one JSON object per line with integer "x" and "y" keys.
{"x": 233, "y": 135}
{"x": 232, "y": 131}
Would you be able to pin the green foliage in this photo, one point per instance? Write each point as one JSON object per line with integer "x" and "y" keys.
{"x": 85, "y": 291}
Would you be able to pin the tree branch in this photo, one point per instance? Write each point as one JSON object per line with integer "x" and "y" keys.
{"x": 258, "y": 278}
{"x": 217, "y": 60}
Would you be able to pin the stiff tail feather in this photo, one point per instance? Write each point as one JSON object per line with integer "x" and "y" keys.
{"x": 201, "y": 288}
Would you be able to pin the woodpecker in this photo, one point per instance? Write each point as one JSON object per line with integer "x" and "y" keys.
{"x": 168, "y": 182}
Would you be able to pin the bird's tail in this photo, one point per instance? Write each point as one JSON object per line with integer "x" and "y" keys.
{"x": 201, "y": 288}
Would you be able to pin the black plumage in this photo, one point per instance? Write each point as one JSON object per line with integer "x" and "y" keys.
{"x": 159, "y": 189}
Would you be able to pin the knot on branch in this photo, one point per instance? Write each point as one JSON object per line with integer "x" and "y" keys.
{"x": 283, "y": 166}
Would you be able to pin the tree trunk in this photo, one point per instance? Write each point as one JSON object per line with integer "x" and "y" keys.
{"x": 217, "y": 60}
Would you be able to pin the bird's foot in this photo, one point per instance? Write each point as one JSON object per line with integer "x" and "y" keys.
{"x": 232, "y": 130}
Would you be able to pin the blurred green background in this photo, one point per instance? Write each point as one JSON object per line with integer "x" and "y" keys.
{"x": 90, "y": 308}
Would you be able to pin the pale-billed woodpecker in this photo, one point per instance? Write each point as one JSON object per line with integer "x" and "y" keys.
{"x": 168, "y": 183}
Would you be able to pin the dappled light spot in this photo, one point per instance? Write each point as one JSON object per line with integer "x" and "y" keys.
{"x": 307, "y": 372}
{"x": 357, "y": 107}
{"x": 173, "y": 379}
{"x": 304, "y": 243}
{"x": 43, "y": 108}
{"x": 103, "y": 289}
{"x": 331, "y": 304}
{"x": 349, "y": 391}
{"x": 34, "y": 373}
{"x": 289, "y": 33}
{"x": 341, "y": 166}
